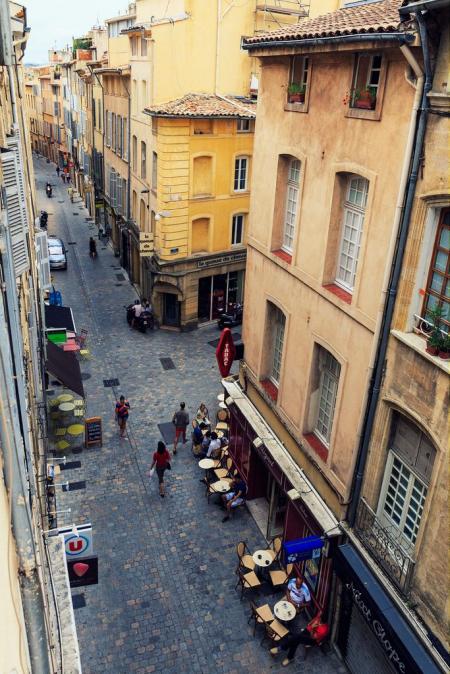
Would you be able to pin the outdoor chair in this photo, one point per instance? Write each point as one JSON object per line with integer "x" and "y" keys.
{"x": 276, "y": 546}
{"x": 280, "y": 576}
{"x": 260, "y": 615}
{"x": 275, "y": 631}
{"x": 244, "y": 557}
{"x": 226, "y": 471}
{"x": 82, "y": 337}
{"x": 248, "y": 580}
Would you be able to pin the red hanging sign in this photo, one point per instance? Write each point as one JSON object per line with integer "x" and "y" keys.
{"x": 225, "y": 352}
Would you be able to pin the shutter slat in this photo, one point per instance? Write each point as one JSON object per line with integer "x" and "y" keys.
{"x": 15, "y": 207}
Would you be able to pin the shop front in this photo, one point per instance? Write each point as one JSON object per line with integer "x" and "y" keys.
{"x": 279, "y": 496}
{"x": 216, "y": 292}
{"x": 369, "y": 617}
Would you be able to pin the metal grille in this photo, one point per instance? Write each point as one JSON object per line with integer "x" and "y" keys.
{"x": 167, "y": 363}
{"x": 110, "y": 383}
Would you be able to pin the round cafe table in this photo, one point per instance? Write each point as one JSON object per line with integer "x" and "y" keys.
{"x": 66, "y": 407}
{"x": 221, "y": 397}
{"x": 262, "y": 558}
{"x": 284, "y": 610}
{"x": 207, "y": 464}
{"x": 65, "y": 398}
{"x": 221, "y": 486}
{"x": 75, "y": 429}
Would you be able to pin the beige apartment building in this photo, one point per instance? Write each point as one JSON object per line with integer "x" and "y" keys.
{"x": 336, "y": 121}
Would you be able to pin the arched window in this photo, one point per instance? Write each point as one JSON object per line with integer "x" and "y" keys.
{"x": 353, "y": 211}
{"x": 142, "y": 210}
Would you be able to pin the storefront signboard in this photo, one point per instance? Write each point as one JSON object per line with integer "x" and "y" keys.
{"x": 78, "y": 541}
{"x": 303, "y": 548}
{"x": 223, "y": 259}
{"x": 225, "y": 352}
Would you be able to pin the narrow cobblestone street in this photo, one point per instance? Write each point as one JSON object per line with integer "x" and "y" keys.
{"x": 165, "y": 601}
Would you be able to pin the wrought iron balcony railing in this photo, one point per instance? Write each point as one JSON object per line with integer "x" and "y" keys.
{"x": 383, "y": 546}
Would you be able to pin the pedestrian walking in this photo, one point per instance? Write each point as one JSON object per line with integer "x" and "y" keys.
{"x": 161, "y": 461}
{"x": 181, "y": 422}
{"x": 68, "y": 178}
{"x": 122, "y": 414}
{"x": 70, "y": 193}
{"x": 58, "y": 171}
{"x": 63, "y": 177}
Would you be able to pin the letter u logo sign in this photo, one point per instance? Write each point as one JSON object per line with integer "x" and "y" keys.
{"x": 75, "y": 546}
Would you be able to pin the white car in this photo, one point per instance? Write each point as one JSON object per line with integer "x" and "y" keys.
{"x": 57, "y": 253}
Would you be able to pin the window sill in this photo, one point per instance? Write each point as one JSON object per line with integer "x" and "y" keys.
{"x": 317, "y": 446}
{"x": 270, "y": 388}
{"x": 283, "y": 255}
{"x": 241, "y": 192}
{"x": 361, "y": 113}
{"x": 296, "y": 107}
{"x": 419, "y": 345}
{"x": 343, "y": 295}
{"x": 199, "y": 197}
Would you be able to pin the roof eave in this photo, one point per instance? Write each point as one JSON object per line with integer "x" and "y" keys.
{"x": 398, "y": 37}
{"x": 166, "y": 115}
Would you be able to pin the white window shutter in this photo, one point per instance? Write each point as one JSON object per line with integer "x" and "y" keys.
{"x": 15, "y": 212}
{"x": 43, "y": 262}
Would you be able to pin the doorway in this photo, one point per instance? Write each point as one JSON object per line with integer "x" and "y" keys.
{"x": 171, "y": 310}
{"x": 125, "y": 251}
{"x": 277, "y": 508}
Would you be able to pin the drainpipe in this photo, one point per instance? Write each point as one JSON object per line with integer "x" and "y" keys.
{"x": 128, "y": 175}
{"x": 396, "y": 268}
{"x": 219, "y": 19}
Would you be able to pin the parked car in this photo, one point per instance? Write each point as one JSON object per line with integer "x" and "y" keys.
{"x": 57, "y": 253}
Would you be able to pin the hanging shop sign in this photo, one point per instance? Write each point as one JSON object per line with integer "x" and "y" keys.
{"x": 83, "y": 571}
{"x": 303, "y": 548}
{"x": 78, "y": 541}
{"x": 225, "y": 352}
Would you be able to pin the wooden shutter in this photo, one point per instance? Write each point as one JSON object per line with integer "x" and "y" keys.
{"x": 43, "y": 260}
{"x": 15, "y": 212}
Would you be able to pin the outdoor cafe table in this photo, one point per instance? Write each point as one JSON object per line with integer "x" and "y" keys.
{"x": 262, "y": 558}
{"x": 221, "y": 397}
{"x": 207, "y": 464}
{"x": 66, "y": 407}
{"x": 65, "y": 398}
{"x": 284, "y": 610}
{"x": 221, "y": 486}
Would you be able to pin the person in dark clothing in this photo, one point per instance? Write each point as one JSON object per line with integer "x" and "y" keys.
{"x": 122, "y": 414}
{"x": 313, "y": 634}
{"x": 161, "y": 460}
{"x": 181, "y": 421}
{"x": 235, "y": 497}
{"x": 58, "y": 171}
{"x": 92, "y": 248}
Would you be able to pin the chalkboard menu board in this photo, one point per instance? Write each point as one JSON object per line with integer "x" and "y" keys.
{"x": 93, "y": 431}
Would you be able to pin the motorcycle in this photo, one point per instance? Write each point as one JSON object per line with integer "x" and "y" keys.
{"x": 144, "y": 322}
{"x": 43, "y": 219}
{"x": 233, "y": 316}
{"x": 48, "y": 190}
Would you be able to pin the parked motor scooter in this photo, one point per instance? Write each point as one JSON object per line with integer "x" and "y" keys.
{"x": 143, "y": 322}
{"x": 48, "y": 190}
{"x": 233, "y": 316}
{"x": 43, "y": 219}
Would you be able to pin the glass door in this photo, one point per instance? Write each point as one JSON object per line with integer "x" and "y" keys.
{"x": 277, "y": 508}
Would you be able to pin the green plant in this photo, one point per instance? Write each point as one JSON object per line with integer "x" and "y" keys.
{"x": 295, "y": 88}
{"x": 436, "y": 339}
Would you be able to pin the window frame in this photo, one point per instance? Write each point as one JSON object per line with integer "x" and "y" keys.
{"x": 292, "y": 186}
{"x": 244, "y": 121}
{"x": 237, "y": 176}
{"x": 433, "y": 269}
{"x": 354, "y": 211}
{"x": 371, "y": 69}
{"x": 303, "y": 82}
{"x": 233, "y": 229}
{"x": 327, "y": 377}
{"x": 143, "y": 160}
{"x": 277, "y": 344}
{"x": 154, "y": 172}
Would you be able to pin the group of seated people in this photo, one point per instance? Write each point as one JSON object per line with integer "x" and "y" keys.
{"x": 205, "y": 442}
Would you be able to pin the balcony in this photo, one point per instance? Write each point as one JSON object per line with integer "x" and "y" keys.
{"x": 384, "y": 547}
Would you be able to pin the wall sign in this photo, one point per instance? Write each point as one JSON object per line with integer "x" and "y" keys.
{"x": 223, "y": 259}
{"x": 225, "y": 352}
{"x": 79, "y": 544}
{"x": 83, "y": 571}
{"x": 93, "y": 431}
{"x": 303, "y": 548}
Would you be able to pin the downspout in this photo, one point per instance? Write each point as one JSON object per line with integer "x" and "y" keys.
{"x": 219, "y": 18}
{"x": 396, "y": 268}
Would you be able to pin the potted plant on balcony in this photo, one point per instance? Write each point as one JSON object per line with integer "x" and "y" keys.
{"x": 435, "y": 336}
{"x": 296, "y": 93}
{"x": 365, "y": 99}
{"x": 444, "y": 349}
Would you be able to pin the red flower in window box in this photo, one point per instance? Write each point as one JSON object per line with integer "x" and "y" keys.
{"x": 296, "y": 93}
{"x": 364, "y": 99}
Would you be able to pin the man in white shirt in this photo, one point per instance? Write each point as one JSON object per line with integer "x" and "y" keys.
{"x": 298, "y": 593}
{"x": 214, "y": 446}
{"x": 137, "y": 311}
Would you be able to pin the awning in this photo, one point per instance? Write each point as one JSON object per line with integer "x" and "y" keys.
{"x": 64, "y": 366}
{"x": 302, "y": 487}
{"x": 59, "y": 317}
{"x": 402, "y": 646}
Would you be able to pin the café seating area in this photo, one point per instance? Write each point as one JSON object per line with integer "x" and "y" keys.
{"x": 66, "y": 414}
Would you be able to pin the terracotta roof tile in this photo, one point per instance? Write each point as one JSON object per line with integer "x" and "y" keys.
{"x": 205, "y": 105}
{"x": 370, "y": 17}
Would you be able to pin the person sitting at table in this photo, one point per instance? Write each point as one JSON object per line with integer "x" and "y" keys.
{"x": 205, "y": 443}
{"x": 313, "y": 635}
{"x": 214, "y": 447}
{"x": 197, "y": 438}
{"x": 235, "y": 497}
{"x": 203, "y": 414}
{"x": 298, "y": 593}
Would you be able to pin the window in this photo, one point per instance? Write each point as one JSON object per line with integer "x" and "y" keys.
{"x": 143, "y": 46}
{"x": 278, "y": 322}
{"x": 437, "y": 292}
{"x": 143, "y": 160}
{"x": 143, "y": 101}
{"x": 240, "y": 174}
{"x": 352, "y": 227}
{"x": 154, "y": 171}
{"x": 134, "y": 154}
{"x": 119, "y": 135}
{"x": 407, "y": 476}
{"x": 366, "y": 81}
{"x": 200, "y": 235}
{"x": 113, "y": 132}
{"x": 329, "y": 380}
{"x": 202, "y": 176}
{"x": 134, "y": 94}
{"x": 134, "y": 46}
{"x": 243, "y": 125}
{"x": 292, "y": 190}
{"x": 108, "y": 128}
{"x": 298, "y": 79}
{"x": 142, "y": 213}
{"x": 125, "y": 139}
{"x": 134, "y": 206}
{"x": 237, "y": 229}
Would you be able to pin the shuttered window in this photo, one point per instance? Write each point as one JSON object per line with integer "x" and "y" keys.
{"x": 42, "y": 259}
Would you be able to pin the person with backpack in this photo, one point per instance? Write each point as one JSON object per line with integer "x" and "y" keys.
{"x": 122, "y": 414}
{"x": 161, "y": 460}
{"x": 181, "y": 421}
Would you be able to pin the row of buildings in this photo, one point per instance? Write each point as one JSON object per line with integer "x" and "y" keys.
{"x": 325, "y": 207}
{"x": 38, "y": 629}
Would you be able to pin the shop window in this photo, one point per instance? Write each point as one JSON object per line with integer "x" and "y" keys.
{"x": 202, "y": 177}
{"x": 237, "y": 229}
{"x": 437, "y": 290}
{"x": 143, "y": 160}
{"x": 298, "y": 79}
{"x": 366, "y": 81}
{"x": 406, "y": 480}
{"x": 240, "y": 174}
{"x": 200, "y": 235}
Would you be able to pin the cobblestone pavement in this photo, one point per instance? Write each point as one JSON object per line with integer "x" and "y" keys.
{"x": 165, "y": 601}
